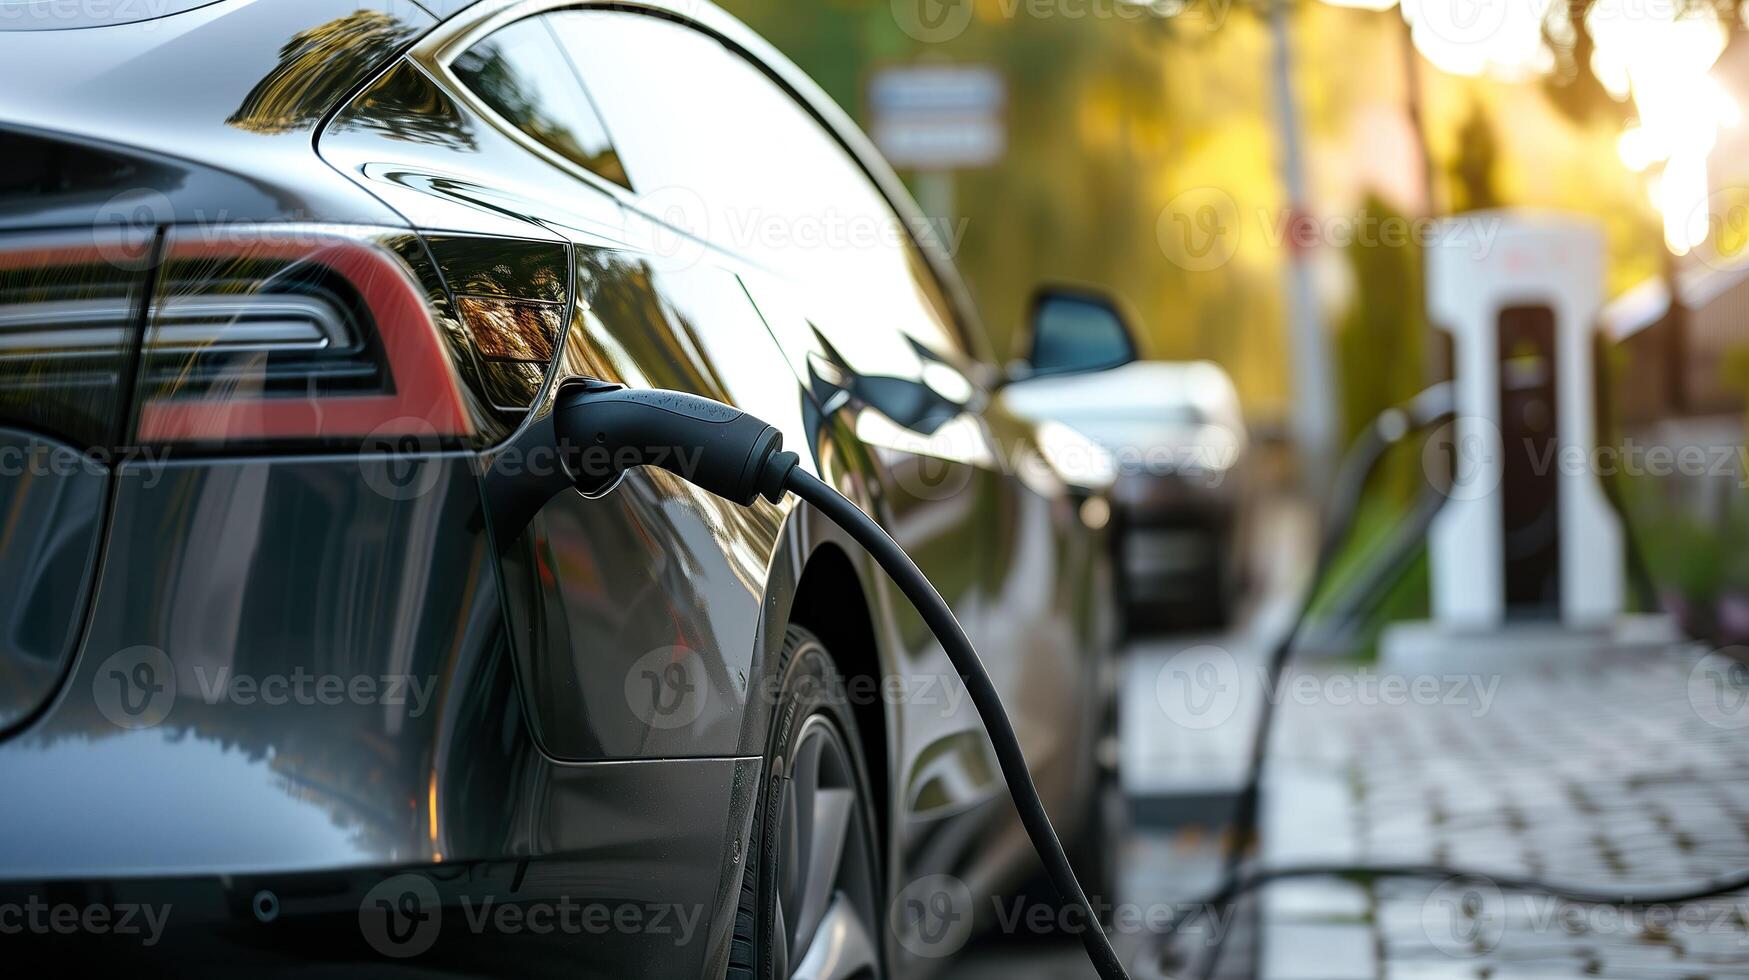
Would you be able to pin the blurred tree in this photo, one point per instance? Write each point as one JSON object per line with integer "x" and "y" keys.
{"x": 1473, "y": 171}
{"x": 1380, "y": 339}
{"x": 1572, "y": 87}
{"x": 1116, "y": 110}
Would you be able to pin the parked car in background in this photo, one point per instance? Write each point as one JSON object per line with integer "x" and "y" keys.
{"x": 1176, "y": 447}
{"x": 283, "y": 285}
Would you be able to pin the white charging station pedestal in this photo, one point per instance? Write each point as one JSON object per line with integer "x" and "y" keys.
{"x": 1526, "y": 557}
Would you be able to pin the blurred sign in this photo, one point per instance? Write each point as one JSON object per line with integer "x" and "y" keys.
{"x": 939, "y": 117}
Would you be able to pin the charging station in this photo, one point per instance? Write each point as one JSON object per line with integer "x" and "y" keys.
{"x": 1526, "y": 557}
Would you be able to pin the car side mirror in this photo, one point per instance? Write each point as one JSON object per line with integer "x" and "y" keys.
{"x": 1075, "y": 333}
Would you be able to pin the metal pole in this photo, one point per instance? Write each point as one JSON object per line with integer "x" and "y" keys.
{"x": 1314, "y": 422}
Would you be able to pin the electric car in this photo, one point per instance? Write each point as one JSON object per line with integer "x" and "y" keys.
{"x": 284, "y": 284}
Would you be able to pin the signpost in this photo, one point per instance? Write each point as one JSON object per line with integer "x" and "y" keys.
{"x": 935, "y": 119}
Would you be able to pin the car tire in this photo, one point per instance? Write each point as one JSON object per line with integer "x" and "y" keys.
{"x": 815, "y": 791}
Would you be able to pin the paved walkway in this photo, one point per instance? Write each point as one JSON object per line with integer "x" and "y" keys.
{"x": 1619, "y": 772}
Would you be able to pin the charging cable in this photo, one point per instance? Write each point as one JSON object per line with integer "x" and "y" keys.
{"x": 1433, "y": 407}
{"x": 602, "y": 430}
{"x": 1430, "y": 409}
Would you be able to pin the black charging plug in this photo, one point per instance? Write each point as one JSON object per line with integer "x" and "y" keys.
{"x": 606, "y": 429}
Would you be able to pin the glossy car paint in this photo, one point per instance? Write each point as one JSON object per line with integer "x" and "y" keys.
{"x": 515, "y": 763}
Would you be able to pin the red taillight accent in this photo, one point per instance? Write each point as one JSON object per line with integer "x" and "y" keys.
{"x": 422, "y": 398}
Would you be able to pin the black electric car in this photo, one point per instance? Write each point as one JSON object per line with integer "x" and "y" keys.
{"x": 282, "y": 283}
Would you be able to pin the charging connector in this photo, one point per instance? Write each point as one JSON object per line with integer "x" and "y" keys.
{"x": 606, "y": 429}
{"x": 603, "y": 430}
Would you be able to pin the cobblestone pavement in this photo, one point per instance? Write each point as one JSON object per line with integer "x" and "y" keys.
{"x": 1623, "y": 773}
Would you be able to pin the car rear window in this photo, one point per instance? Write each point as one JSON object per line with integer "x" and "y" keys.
{"x": 61, "y": 15}
{"x": 523, "y": 74}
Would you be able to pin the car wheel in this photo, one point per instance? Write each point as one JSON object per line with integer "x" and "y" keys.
{"x": 810, "y": 901}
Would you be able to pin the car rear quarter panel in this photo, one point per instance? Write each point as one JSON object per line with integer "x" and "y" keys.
{"x": 213, "y": 743}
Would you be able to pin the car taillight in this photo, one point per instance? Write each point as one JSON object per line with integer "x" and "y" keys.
{"x": 274, "y": 338}
{"x": 283, "y": 336}
{"x": 70, "y": 305}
